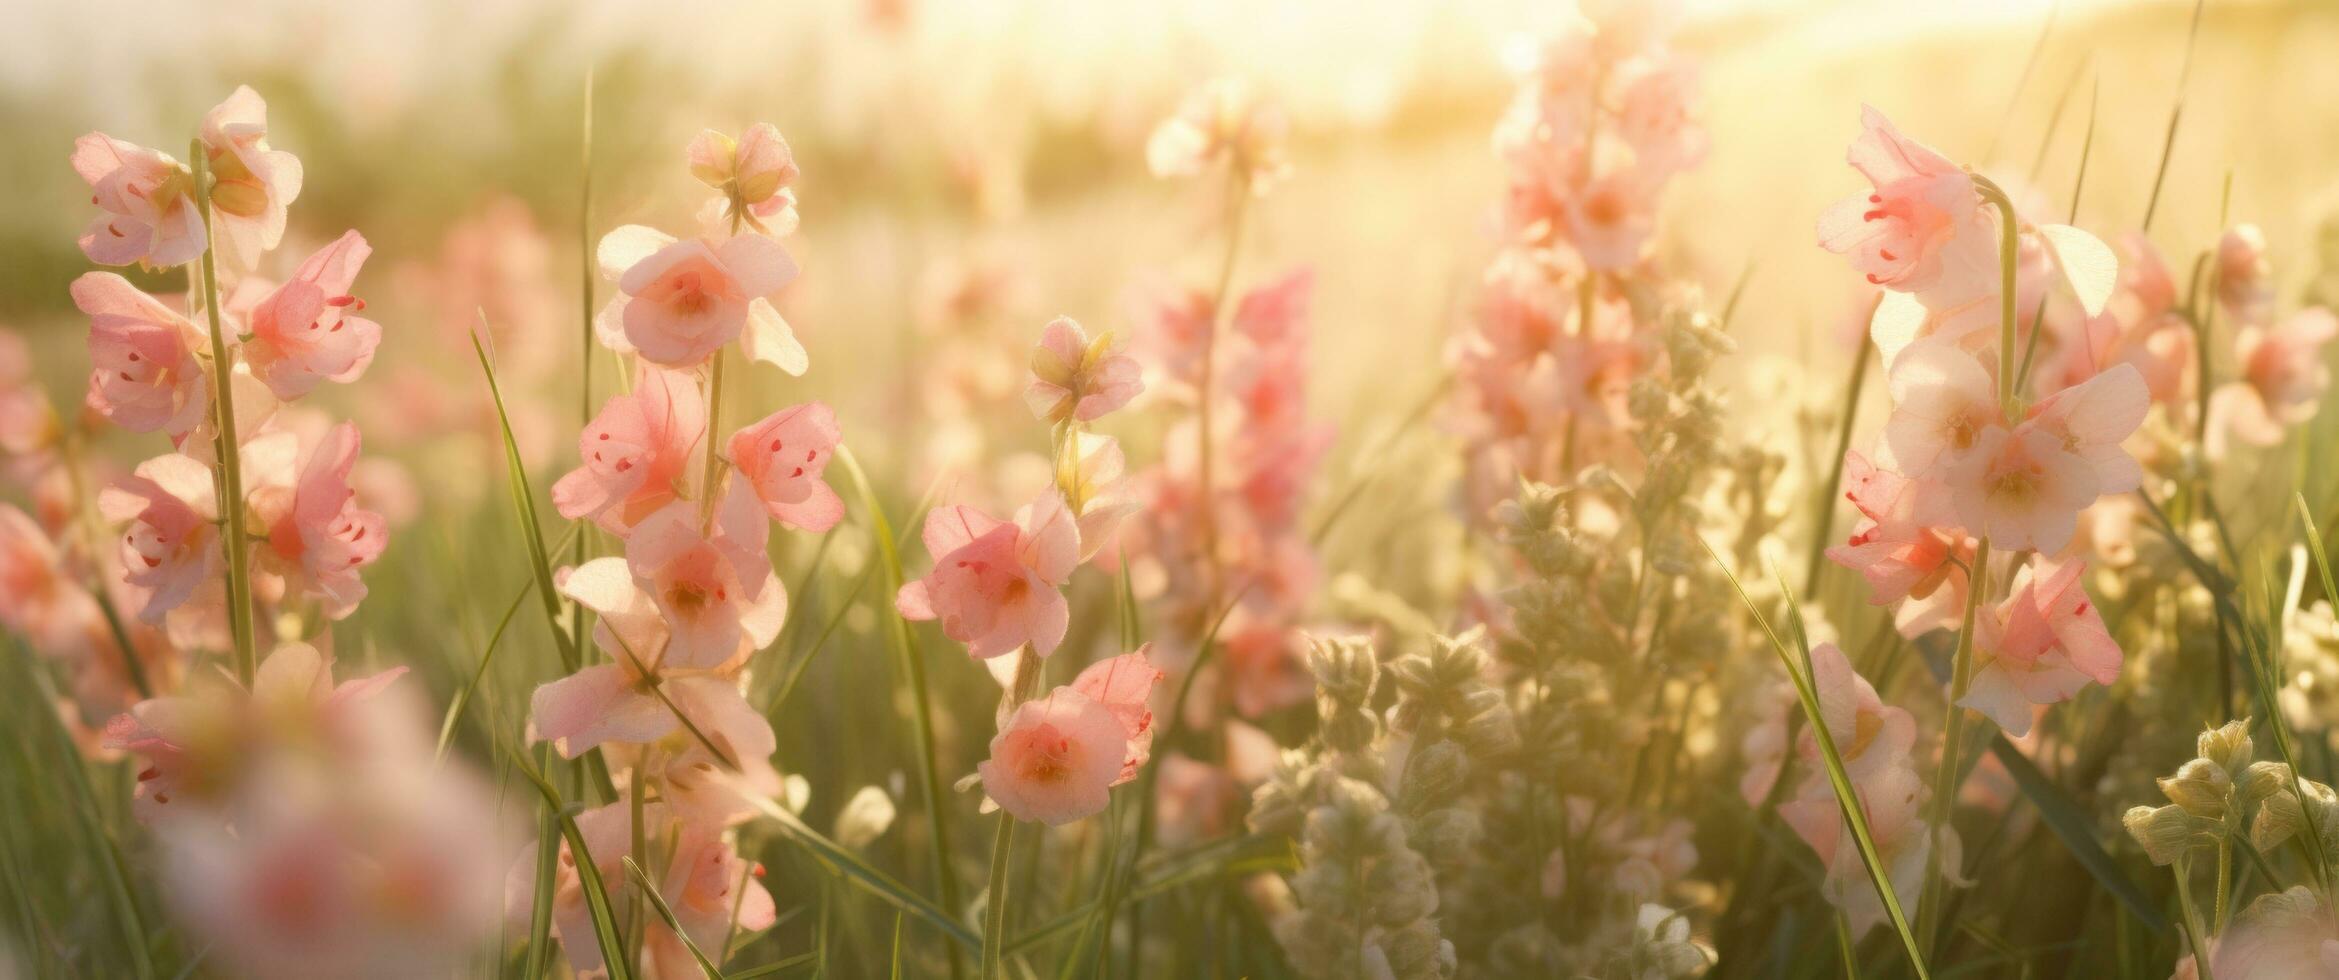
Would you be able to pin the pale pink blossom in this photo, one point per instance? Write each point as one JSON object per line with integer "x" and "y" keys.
{"x": 2022, "y": 489}
{"x": 1221, "y": 122}
{"x": 1093, "y": 473}
{"x": 2283, "y": 377}
{"x": 1611, "y": 212}
{"x": 252, "y": 185}
{"x": 39, "y": 599}
{"x": 682, "y": 300}
{"x": 1943, "y": 401}
{"x": 1075, "y": 378}
{"x": 1892, "y": 804}
{"x": 144, "y": 375}
{"x": 713, "y": 584}
{"x": 2245, "y": 278}
{"x": 316, "y": 533}
{"x": 783, "y": 455}
{"x": 1870, "y": 736}
{"x": 308, "y": 330}
{"x": 2040, "y": 646}
{"x": 2093, "y": 418}
{"x": 1056, "y": 758}
{"x": 998, "y": 586}
{"x": 703, "y": 881}
{"x": 1922, "y": 230}
{"x": 198, "y": 742}
{"x": 611, "y": 705}
{"x": 753, "y": 172}
{"x": 171, "y": 547}
{"x": 148, "y": 199}
{"x": 636, "y": 454}
{"x": 1900, "y": 557}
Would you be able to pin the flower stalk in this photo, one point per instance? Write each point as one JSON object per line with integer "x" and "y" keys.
{"x": 231, "y": 497}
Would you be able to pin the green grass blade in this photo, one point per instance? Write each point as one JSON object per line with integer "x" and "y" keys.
{"x": 524, "y": 501}
{"x": 547, "y": 870}
{"x": 649, "y": 890}
{"x": 914, "y": 670}
{"x": 470, "y": 689}
{"x": 1846, "y": 799}
{"x": 796, "y": 962}
{"x": 860, "y": 873}
{"x": 2076, "y": 830}
{"x": 589, "y": 876}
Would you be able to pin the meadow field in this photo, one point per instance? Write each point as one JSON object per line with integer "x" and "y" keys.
{"x": 1026, "y": 489}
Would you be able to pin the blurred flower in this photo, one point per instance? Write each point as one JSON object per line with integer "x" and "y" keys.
{"x": 2245, "y": 278}
{"x": 2283, "y": 377}
{"x": 1073, "y": 377}
{"x": 1221, "y": 122}
{"x": 38, "y": 597}
{"x": 753, "y": 172}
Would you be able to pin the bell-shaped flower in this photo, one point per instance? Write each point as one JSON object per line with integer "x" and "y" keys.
{"x": 2022, "y": 489}
{"x": 704, "y": 882}
{"x": 680, "y": 301}
{"x": 308, "y": 330}
{"x": 39, "y": 599}
{"x": 148, "y": 198}
{"x": 782, "y": 457}
{"x": 1056, "y": 758}
{"x": 997, "y": 586}
{"x": 1892, "y": 804}
{"x": 1870, "y": 736}
{"x": 252, "y": 185}
{"x": 1222, "y": 122}
{"x": 317, "y": 535}
{"x": 2040, "y": 646}
{"x": 636, "y": 455}
{"x": 1075, "y": 378}
{"x": 1902, "y": 559}
{"x": 1123, "y": 685}
{"x": 2093, "y": 418}
{"x": 1922, "y": 231}
{"x": 143, "y": 374}
{"x": 753, "y": 172}
{"x": 712, "y": 583}
{"x": 171, "y": 548}
{"x": 1942, "y": 403}
{"x": 1093, "y": 475}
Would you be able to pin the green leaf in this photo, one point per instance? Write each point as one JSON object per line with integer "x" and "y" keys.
{"x": 860, "y": 873}
{"x": 524, "y": 501}
{"x": 649, "y": 890}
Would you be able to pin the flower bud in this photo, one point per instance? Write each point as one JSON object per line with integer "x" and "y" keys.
{"x": 2165, "y": 832}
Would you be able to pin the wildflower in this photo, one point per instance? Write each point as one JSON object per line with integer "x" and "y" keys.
{"x": 714, "y": 585}
{"x": 149, "y": 203}
{"x": 753, "y": 172}
{"x": 783, "y": 456}
{"x": 252, "y": 185}
{"x": 1092, "y": 472}
{"x": 2094, "y": 417}
{"x": 1943, "y": 401}
{"x": 636, "y": 454}
{"x": 681, "y": 300}
{"x": 316, "y": 533}
{"x": 1057, "y": 757}
{"x": 2022, "y": 489}
{"x": 1870, "y": 736}
{"x": 995, "y": 585}
{"x": 709, "y": 888}
{"x": 1892, "y": 803}
{"x": 171, "y": 549}
{"x": 2245, "y": 279}
{"x": 144, "y": 376}
{"x": 1123, "y": 684}
{"x": 1922, "y": 230}
{"x": 1902, "y": 559}
{"x": 2283, "y": 378}
{"x": 2039, "y": 646}
{"x": 1074, "y": 378}
{"x": 1222, "y": 122}
{"x": 307, "y": 330}
{"x": 38, "y": 598}
{"x": 1612, "y": 214}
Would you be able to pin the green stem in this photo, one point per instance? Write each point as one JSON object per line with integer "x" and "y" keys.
{"x": 1241, "y": 190}
{"x": 1823, "y": 503}
{"x": 2193, "y": 934}
{"x": 2009, "y": 227}
{"x": 231, "y": 501}
{"x": 1027, "y": 675}
{"x": 1945, "y": 779}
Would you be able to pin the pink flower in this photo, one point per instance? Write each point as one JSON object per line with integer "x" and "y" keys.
{"x": 783, "y": 456}
{"x": 1943, "y": 401}
{"x": 1221, "y": 122}
{"x": 996, "y": 586}
{"x": 1612, "y": 211}
{"x": 307, "y": 330}
{"x": 2093, "y": 417}
{"x": 171, "y": 548}
{"x": 713, "y": 585}
{"x": 38, "y": 597}
{"x": 1094, "y": 472}
{"x": 1123, "y": 684}
{"x": 2023, "y": 489}
{"x": 252, "y": 184}
{"x": 149, "y": 203}
{"x": 1056, "y": 759}
{"x": 1892, "y": 804}
{"x": 704, "y": 882}
{"x": 1899, "y": 557}
{"x": 1871, "y": 736}
{"x": 315, "y": 531}
{"x": 680, "y": 301}
{"x": 636, "y": 455}
{"x": 2245, "y": 279}
{"x": 144, "y": 376}
{"x": 1074, "y": 378}
{"x": 612, "y": 704}
{"x": 2283, "y": 377}
{"x": 197, "y": 743}
{"x": 1922, "y": 230}
{"x": 2039, "y": 646}
{"x": 753, "y": 171}
{"x": 714, "y": 894}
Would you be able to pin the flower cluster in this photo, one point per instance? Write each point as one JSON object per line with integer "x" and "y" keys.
{"x": 692, "y": 596}
{"x": 997, "y": 587}
{"x": 1968, "y": 463}
{"x": 1567, "y": 311}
